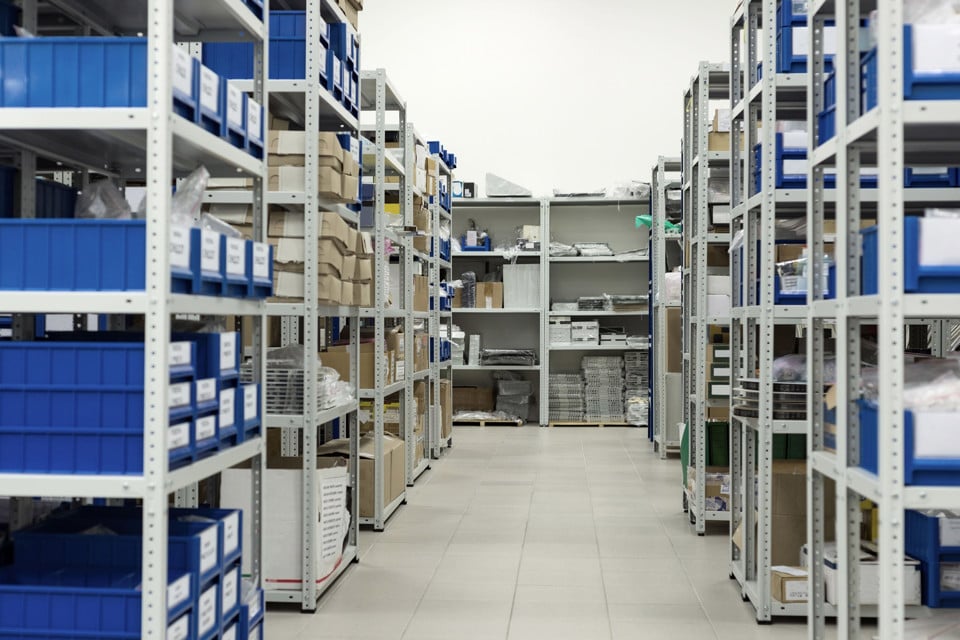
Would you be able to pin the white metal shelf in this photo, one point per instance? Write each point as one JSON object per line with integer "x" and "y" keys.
{"x": 457, "y": 310}
{"x": 496, "y": 254}
{"x": 604, "y": 314}
{"x": 290, "y": 421}
{"x": 595, "y": 347}
{"x": 600, "y": 259}
{"x": 495, "y": 367}
{"x": 289, "y": 99}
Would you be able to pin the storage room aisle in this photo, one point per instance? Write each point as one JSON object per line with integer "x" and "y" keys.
{"x": 534, "y": 533}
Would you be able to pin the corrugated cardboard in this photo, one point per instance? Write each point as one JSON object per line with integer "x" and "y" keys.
{"x": 363, "y": 270}
{"x": 290, "y": 224}
{"x": 366, "y": 294}
{"x": 233, "y": 214}
{"x": 292, "y": 179}
{"x": 347, "y": 294}
{"x": 349, "y": 267}
{"x": 489, "y": 295}
{"x": 421, "y": 350}
{"x": 289, "y": 286}
{"x": 472, "y": 399}
{"x": 786, "y": 586}
{"x": 349, "y": 188}
{"x": 394, "y": 468}
{"x": 293, "y": 143}
{"x": 289, "y": 255}
{"x": 421, "y": 298}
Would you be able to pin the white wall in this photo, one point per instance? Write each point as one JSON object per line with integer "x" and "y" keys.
{"x": 570, "y": 93}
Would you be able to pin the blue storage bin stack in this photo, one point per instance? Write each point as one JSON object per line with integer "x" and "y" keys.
{"x": 916, "y": 86}
{"x": 800, "y": 298}
{"x": 54, "y": 200}
{"x": 345, "y": 48}
{"x": 444, "y": 248}
{"x": 9, "y": 17}
{"x": 827, "y": 119}
{"x": 6, "y": 327}
{"x": 917, "y": 278}
{"x": 218, "y": 370}
{"x": 250, "y": 621}
{"x": 784, "y": 180}
{"x": 923, "y": 541}
{"x": 204, "y": 549}
{"x": 446, "y": 349}
{"x": 437, "y": 149}
{"x": 8, "y": 191}
{"x": 109, "y": 255}
{"x": 483, "y": 246}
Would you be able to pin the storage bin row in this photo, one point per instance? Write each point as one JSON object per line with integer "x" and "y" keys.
{"x": 110, "y": 255}
{"x": 88, "y": 561}
{"x": 446, "y": 349}
{"x": 77, "y": 407}
{"x": 71, "y": 72}
{"x": 935, "y": 542}
{"x": 339, "y": 54}
{"x": 483, "y": 244}
{"x": 930, "y": 266}
{"x": 52, "y": 199}
{"x": 445, "y": 248}
{"x": 437, "y": 149}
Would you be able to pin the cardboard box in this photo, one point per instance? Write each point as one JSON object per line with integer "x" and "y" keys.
{"x": 716, "y": 486}
{"x": 289, "y": 256}
{"x": 293, "y": 179}
{"x": 293, "y": 143}
{"x": 789, "y": 584}
{"x": 338, "y": 357}
{"x": 394, "y": 468}
{"x": 421, "y": 296}
{"x": 521, "y": 286}
{"x": 290, "y": 224}
{"x": 421, "y": 350}
{"x": 674, "y": 339}
{"x": 421, "y": 220}
{"x": 232, "y": 214}
{"x": 446, "y": 408}
{"x": 349, "y": 188}
{"x": 392, "y": 418}
{"x": 287, "y": 286}
{"x": 788, "y": 252}
{"x": 472, "y": 399}
{"x": 347, "y": 297}
{"x": 363, "y": 272}
{"x": 490, "y": 295}
{"x": 351, "y": 11}
{"x": 869, "y": 575}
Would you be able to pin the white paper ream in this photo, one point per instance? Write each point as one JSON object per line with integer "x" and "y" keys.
{"x": 938, "y": 242}
{"x": 935, "y": 434}
{"x": 935, "y": 49}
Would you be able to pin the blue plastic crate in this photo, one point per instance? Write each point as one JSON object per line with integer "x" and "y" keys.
{"x": 335, "y": 75}
{"x": 345, "y": 43}
{"x": 186, "y": 85}
{"x": 230, "y": 584}
{"x": 206, "y": 396}
{"x": 79, "y": 255}
{"x": 233, "y": 129}
{"x": 256, "y": 6}
{"x": 790, "y": 15}
{"x": 206, "y": 615}
{"x": 248, "y": 411}
{"x": 253, "y": 113}
{"x": 260, "y": 268}
{"x": 210, "y": 105}
{"x": 784, "y": 180}
{"x": 251, "y": 613}
{"x": 800, "y": 298}
{"x": 75, "y": 407}
{"x": 916, "y": 471}
{"x": 921, "y": 178}
{"x": 54, "y": 200}
{"x": 830, "y": 90}
{"x": 69, "y": 605}
{"x": 55, "y": 72}
{"x": 922, "y": 542}
{"x": 206, "y": 264}
{"x": 827, "y": 125}
{"x": 228, "y": 432}
{"x": 233, "y": 257}
{"x": 916, "y": 278}
{"x": 484, "y": 246}
{"x": 218, "y": 354}
{"x": 9, "y": 17}
{"x": 8, "y": 191}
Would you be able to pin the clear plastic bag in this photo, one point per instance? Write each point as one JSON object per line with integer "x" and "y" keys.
{"x": 931, "y": 11}
{"x": 188, "y": 200}
{"x": 214, "y": 223}
{"x": 498, "y": 187}
{"x": 101, "y": 200}
{"x": 929, "y": 384}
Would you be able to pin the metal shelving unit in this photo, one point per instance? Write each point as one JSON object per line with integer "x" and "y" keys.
{"x": 891, "y": 136}
{"x": 153, "y": 143}
{"x": 441, "y": 323}
{"x": 711, "y": 83}
{"x": 379, "y": 95}
{"x": 663, "y": 430}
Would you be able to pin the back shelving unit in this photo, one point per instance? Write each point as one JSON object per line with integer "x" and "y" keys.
{"x": 146, "y": 139}
{"x": 890, "y": 111}
{"x": 706, "y": 398}
{"x": 666, "y": 247}
{"x": 308, "y": 103}
{"x": 440, "y": 433}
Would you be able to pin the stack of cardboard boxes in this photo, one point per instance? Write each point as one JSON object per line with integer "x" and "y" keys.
{"x": 338, "y": 175}
{"x": 446, "y": 409}
{"x": 351, "y": 10}
{"x": 344, "y": 259}
{"x": 338, "y": 357}
{"x": 393, "y": 417}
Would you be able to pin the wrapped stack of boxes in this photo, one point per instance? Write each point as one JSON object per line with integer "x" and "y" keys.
{"x": 513, "y": 397}
{"x": 566, "y": 397}
{"x": 635, "y": 381}
{"x": 603, "y": 392}
{"x": 718, "y": 377}
{"x": 585, "y": 332}
{"x": 338, "y": 175}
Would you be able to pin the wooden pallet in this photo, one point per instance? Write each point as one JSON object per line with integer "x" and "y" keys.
{"x": 488, "y": 423}
{"x": 589, "y": 424}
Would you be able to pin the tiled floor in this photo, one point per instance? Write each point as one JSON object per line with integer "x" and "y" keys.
{"x": 535, "y": 534}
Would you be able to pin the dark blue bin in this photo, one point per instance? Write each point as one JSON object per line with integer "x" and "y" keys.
{"x": 8, "y": 191}
{"x": 9, "y": 17}
{"x": 233, "y": 256}
{"x": 260, "y": 268}
{"x": 787, "y": 15}
{"x": 210, "y": 104}
{"x": 230, "y": 585}
{"x": 919, "y": 178}
{"x": 916, "y": 278}
{"x": 227, "y": 430}
{"x": 345, "y": 43}
{"x": 922, "y": 542}
{"x": 484, "y": 246}
{"x": 229, "y": 529}
{"x": 800, "y": 298}
{"x": 916, "y": 471}
{"x": 288, "y": 50}
{"x": 54, "y": 200}
{"x": 253, "y": 113}
{"x": 233, "y": 129}
{"x": 251, "y": 613}
{"x": 248, "y": 411}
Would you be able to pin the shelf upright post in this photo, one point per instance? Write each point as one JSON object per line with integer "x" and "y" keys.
{"x": 544, "y": 324}
{"x": 381, "y": 265}
{"x": 408, "y": 140}
{"x": 432, "y": 445}
{"x": 157, "y": 320}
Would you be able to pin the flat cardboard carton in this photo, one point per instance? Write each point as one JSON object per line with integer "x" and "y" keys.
{"x": 290, "y": 224}
{"x": 293, "y": 178}
{"x": 421, "y": 350}
{"x": 421, "y": 297}
{"x": 394, "y": 468}
{"x": 364, "y": 270}
{"x": 349, "y": 188}
{"x": 289, "y": 255}
{"x": 789, "y": 584}
{"x": 472, "y": 399}
{"x": 489, "y": 295}
{"x": 289, "y": 286}
{"x": 338, "y": 357}
{"x": 293, "y": 143}
{"x": 366, "y": 294}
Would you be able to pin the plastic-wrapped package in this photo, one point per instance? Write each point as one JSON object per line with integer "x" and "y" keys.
{"x": 478, "y": 416}
{"x": 672, "y": 287}
{"x": 593, "y": 249}
{"x": 187, "y": 202}
{"x": 634, "y": 189}
{"x": 102, "y": 200}
{"x": 929, "y": 384}
{"x": 736, "y": 242}
{"x": 579, "y": 193}
{"x": 559, "y": 249}
{"x": 208, "y": 221}
{"x": 930, "y": 11}
{"x": 517, "y": 407}
{"x": 793, "y": 368}
{"x": 514, "y": 387}
{"x": 518, "y": 357}
{"x": 498, "y": 187}
{"x": 631, "y": 254}
{"x": 468, "y": 298}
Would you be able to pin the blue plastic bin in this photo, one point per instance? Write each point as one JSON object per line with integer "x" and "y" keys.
{"x": 800, "y": 298}
{"x": 73, "y": 72}
{"x": 248, "y": 411}
{"x": 253, "y": 113}
{"x": 206, "y": 265}
{"x": 230, "y": 585}
{"x": 922, "y": 541}
{"x": 787, "y": 15}
{"x": 335, "y": 71}
{"x": 233, "y": 129}
{"x": 916, "y": 471}
{"x": 227, "y": 430}
{"x": 233, "y": 256}
{"x": 70, "y": 605}
{"x": 210, "y": 104}
{"x": 251, "y": 615}
{"x": 54, "y": 200}
{"x": 260, "y": 268}
{"x": 344, "y": 41}
{"x": 917, "y": 178}
{"x": 484, "y": 246}
{"x": 8, "y": 191}
{"x": 256, "y": 6}
{"x": 916, "y": 278}
{"x": 9, "y": 17}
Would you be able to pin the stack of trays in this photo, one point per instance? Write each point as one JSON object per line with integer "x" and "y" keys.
{"x": 566, "y": 397}
{"x": 789, "y": 400}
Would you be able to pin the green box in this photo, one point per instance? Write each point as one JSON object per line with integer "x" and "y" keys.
{"x": 720, "y": 371}
{"x": 718, "y": 353}
{"x": 796, "y": 446}
{"x": 718, "y": 389}
{"x": 718, "y": 444}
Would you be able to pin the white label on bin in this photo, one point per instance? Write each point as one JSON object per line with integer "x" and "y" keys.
{"x": 254, "y": 119}
{"x": 207, "y": 614}
{"x": 261, "y": 260}
{"x": 227, "y": 408}
{"x": 180, "y": 247}
{"x": 949, "y": 532}
{"x": 236, "y": 257}
{"x": 210, "y": 250}
{"x": 935, "y": 48}
{"x": 250, "y": 402}
{"x": 206, "y": 428}
{"x": 179, "y": 395}
{"x": 209, "y": 89}
{"x": 337, "y": 72}
{"x": 180, "y": 629}
{"x": 182, "y": 71}
{"x": 253, "y": 605}
{"x": 231, "y": 533}
{"x": 178, "y": 591}
{"x": 209, "y": 548}
{"x": 228, "y": 351}
{"x": 179, "y": 354}
{"x": 230, "y": 593}
{"x": 178, "y": 436}
{"x": 206, "y": 390}
{"x": 234, "y": 106}
{"x": 230, "y": 634}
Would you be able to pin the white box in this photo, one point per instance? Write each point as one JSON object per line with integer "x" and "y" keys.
{"x": 869, "y": 576}
{"x": 720, "y": 214}
{"x": 560, "y": 333}
{"x": 937, "y": 236}
{"x": 282, "y": 520}
{"x": 718, "y": 285}
{"x": 935, "y": 435}
{"x": 473, "y": 353}
{"x": 718, "y": 305}
{"x": 521, "y": 286}
{"x": 935, "y": 48}
{"x": 949, "y": 531}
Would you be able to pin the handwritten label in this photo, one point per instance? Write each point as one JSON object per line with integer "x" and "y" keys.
{"x": 254, "y": 120}
{"x": 206, "y": 390}
{"x": 209, "y": 549}
{"x": 250, "y": 393}
{"x": 206, "y": 428}
{"x": 234, "y": 106}
{"x": 227, "y": 408}
{"x": 209, "y": 89}
{"x": 261, "y": 260}
{"x": 178, "y": 436}
{"x": 210, "y": 250}
{"x": 182, "y": 71}
{"x": 178, "y": 591}
{"x": 179, "y": 247}
{"x": 236, "y": 257}
{"x": 179, "y": 354}
{"x": 228, "y": 351}
{"x": 231, "y": 533}
{"x": 180, "y": 629}
{"x": 230, "y": 634}
{"x": 230, "y": 593}
{"x": 207, "y": 614}
{"x": 179, "y": 395}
